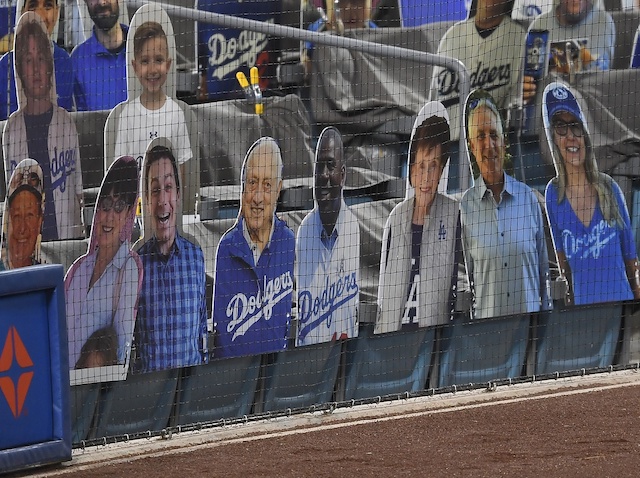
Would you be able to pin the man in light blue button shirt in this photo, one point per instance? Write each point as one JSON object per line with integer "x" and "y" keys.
{"x": 502, "y": 225}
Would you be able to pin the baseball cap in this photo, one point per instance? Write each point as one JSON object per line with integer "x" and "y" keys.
{"x": 26, "y": 176}
{"x": 559, "y": 98}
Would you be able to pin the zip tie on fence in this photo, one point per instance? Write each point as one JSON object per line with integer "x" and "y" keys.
{"x": 455, "y": 388}
{"x": 83, "y": 444}
{"x": 610, "y": 368}
{"x": 245, "y": 418}
{"x": 510, "y": 381}
{"x": 353, "y": 402}
{"x": 557, "y": 375}
{"x": 406, "y": 395}
{"x": 126, "y": 437}
{"x": 104, "y": 441}
{"x": 288, "y": 412}
{"x": 148, "y": 434}
{"x": 583, "y": 372}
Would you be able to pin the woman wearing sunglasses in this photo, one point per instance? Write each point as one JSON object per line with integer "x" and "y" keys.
{"x": 102, "y": 286}
{"x": 587, "y": 213}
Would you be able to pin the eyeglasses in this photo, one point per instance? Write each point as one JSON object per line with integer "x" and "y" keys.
{"x": 107, "y": 203}
{"x": 562, "y": 129}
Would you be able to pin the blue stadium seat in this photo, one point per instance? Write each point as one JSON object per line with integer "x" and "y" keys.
{"x": 384, "y": 364}
{"x": 303, "y": 376}
{"x": 83, "y": 400}
{"x": 531, "y": 167}
{"x": 483, "y": 350}
{"x": 143, "y": 402}
{"x": 578, "y": 337}
{"x": 220, "y": 389}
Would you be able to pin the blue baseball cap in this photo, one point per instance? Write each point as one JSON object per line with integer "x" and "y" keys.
{"x": 559, "y": 98}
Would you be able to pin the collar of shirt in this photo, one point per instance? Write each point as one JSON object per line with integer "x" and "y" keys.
{"x": 121, "y": 256}
{"x": 175, "y": 250}
{"x": 99, "y": 48}
{"x": 330, "y": 239}
{"x": 254, "y": 246}
{"x": 486, "y": 193}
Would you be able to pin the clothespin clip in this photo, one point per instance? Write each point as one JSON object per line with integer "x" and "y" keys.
{"x": 257, "y": 93}
{"x": 244, "y": 84}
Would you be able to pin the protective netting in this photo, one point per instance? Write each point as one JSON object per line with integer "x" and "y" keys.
{"x": 264, "y": 207}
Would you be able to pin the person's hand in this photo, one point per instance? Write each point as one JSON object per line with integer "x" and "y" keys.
{"x": 202, "y": 95}
{"x": 528, "y": 89}
{"x": 586, "y": 57}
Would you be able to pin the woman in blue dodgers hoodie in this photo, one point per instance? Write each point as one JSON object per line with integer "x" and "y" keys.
{"x": 253, "y": 286}
{"x": 587, "y": 213}
{"x": 418, "y": 270}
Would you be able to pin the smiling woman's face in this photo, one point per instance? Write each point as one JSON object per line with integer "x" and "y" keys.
{"x": 572, "y": 146}
{"x": 425, "y": 174}
{"x": 111, "y": 215}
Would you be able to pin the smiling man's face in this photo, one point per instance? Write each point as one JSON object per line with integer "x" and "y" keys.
{"x": 330, "y": 174}
{"x": 261, "y": 191}
{"x": 163, "y": 197}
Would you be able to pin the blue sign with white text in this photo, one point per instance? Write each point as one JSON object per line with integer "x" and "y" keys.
{"x": 224, "y": 51}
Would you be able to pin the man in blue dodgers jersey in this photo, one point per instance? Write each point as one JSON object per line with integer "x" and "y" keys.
{"x": 328, "y": 253}
{"x": 253, "y": 286}
{"x": 43, "y": 131}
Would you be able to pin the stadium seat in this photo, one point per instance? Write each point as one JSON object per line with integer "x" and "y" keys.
{"x": 578, "y": 337}
{"x": 529, "y": 165}
{"x": 220, "y": 389}
{"x": 384, "y": 364}
{"x": 483, "y": 350}
{"x": 143, "y": 402}
{"x": 626, "y": 25}
{"x": 301, "y": 377}
{"x": 83, "y": 400}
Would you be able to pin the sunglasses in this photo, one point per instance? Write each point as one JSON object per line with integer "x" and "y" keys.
{"x": 106, "y": 204}
{"x": 562, "y": 129}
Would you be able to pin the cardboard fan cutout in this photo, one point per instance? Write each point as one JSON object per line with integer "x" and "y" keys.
{"x": 587, "y": 213}
{"x": 43, "y": 131}
{"x": 171, "y": 328}
{"x": 22, "y": 218}
{"x": 328, "y": 253}
{"x": 253, "y": 286}
{"x": 151, "y": 110}
{"x": 421, "y": 239}
{"x": 102, "y": 286}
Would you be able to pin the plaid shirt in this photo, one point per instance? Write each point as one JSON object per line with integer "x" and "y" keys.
{"x": 172, "y": 313}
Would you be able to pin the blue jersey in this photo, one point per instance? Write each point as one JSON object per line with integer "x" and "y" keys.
{"x": 595, "y": 252}
{"x": 252, "y": 302}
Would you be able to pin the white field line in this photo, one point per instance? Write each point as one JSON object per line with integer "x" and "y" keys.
{"x": 187, "y": 442}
